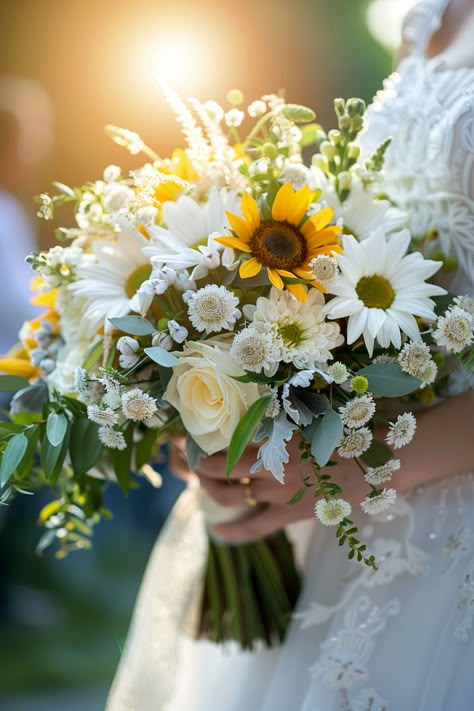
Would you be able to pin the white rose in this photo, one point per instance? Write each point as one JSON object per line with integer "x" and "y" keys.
{"x": 209, "y": 400}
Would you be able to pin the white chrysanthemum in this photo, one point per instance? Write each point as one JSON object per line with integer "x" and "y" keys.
{"x": 381, "y": 289}
{"x": 338, "y": 372}
{"x": 377, "y": 475}
{"x": 415, "y": 359}
{"x": 466, "y": 303}
{"x": 373, "y": 505}
{"x": 324, "y": 269}
{"x": 355, "y": 443}
{"x": 213, "y": 308}
{"x": 332, "y": 511}
{"x": 137, "y": 405}
{"x": 454, "y": 330}
{"x": 102, "y": 415}
{"x": 255, "y": 351}
{"x": 299, "y": 330}
{"x": 187, "y": 242}
{"x": 109, "y": 283}
{"x": 82, "y": 383}
{"x": 402, "y": 431}
{"x": 358, "y": 411}
{"x": 114, "y": 439}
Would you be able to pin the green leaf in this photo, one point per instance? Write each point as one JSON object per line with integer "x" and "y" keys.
{"x": 244, "y": 431}
{"x": 30, "y": 399}
{"x": 56, "y": 427}
{"x": 162, "y": 357}
{"x": 134, "y": 325}
{"x": 144, "y": 448}
{"x": 52, "y": 457}
{"x": 327, "y": 435}
{"x": 85, "y": 447}
{"x": 29, "y": 460}
{"x": 12, "y": 383}
{"x": 309, "y": 134}
{"x": 378, "y": 453}
{"x": 93, "y": 355}
{"x": 12, "y": 456}
{"x": 258, "y": 378}
{"x": 298, "y": 496}
{"x": 122, "y": 461}
{"x": 388, "y": 380}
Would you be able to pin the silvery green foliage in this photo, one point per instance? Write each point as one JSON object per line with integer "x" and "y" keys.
{"x": 273, "y": 454}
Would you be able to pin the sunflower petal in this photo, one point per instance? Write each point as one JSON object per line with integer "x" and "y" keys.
{"x": 298, "y": 291}
{"x": 275, "y": 278}
{"x": 233, "y": 243}
{"x": 282, "y": 203}
{"x": 241, "y": 228}
{"x": 284, "y": 273}
{"x": 322, "y": 218}
{"x": 250, "y": 211}
{"x": 323, "y": 237}
{"x": 250, "y": 268}
{"x": 319, "y": 287}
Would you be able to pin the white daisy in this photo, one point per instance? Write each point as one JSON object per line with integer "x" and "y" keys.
{"x": 402, "y": 431}
{"x": 382, "y": 500}
{"x": 415, "y": 359}
{"x": 381, "y": 289}
{"x": 299, "y": 330}
{"x": 332, "y": 511}
{"x": 137, "y": 405}
{"x": 109, "y": 283}
{"x": 188, "y": 240}
{"x": 377, "y": 475}
{"x": 466, "y": 303}
{"x": 102, "y": 415}
{"x": 255, "y": 351}
{"x": 358, "y": 411}
{"x": 454, "y": 330}
{"x": 355, "y": 443}
{"x": 114, "y": 439}
{"x": 213, "y": 308}
{"x": 338, "y": 372}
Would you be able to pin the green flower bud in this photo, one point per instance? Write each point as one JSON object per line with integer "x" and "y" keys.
{"x": 359, "y": 384}
{"x": 345, "y": 180}
{"x": 269, "y": 150}
{"x": 340, "y": 107}
{"x": 355, "y": 107}
{"x": 344, "y": 123}
{"x": 162, "y": 324}
{"x": 328, "y": 149}
{"x": 357, "y": 123}
{"x": 235, "y": 97}
{"x": 335, "y": 136}
{"x": 353, "y": 151}
{"x": 297, "y": 113}
{"x": 450, "y": 263}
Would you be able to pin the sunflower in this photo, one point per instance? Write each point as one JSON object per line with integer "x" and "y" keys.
{"x": 286, "y": 243}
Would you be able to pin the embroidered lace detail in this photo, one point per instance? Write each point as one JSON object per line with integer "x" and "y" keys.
{"x": 466, "y": 604}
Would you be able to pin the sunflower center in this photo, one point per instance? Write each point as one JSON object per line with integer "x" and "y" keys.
{"x": 136, "y": 278}
{"x": 291, "y": 334}
{"x": 375, "y": 291}
{"x": 278, "y": 245}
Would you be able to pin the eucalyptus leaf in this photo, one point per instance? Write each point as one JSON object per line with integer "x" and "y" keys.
{"x": 30, "y": 399}
{"x": 52, "y": 457}
{"x": 12, "y": 456}
{"x": 244, "y": 431}
{"x": 12, "y": 383}
{"x": 388, "y": 380}
{"x": 327, "y": 435}
{"x": 56, "y": 427}
{"x": 85, "y": 447}
{"x": 161, "y": 356}
{"x": 134, "y": 325}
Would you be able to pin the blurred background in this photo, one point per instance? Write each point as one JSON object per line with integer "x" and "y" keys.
{"x": 67, "y": 70}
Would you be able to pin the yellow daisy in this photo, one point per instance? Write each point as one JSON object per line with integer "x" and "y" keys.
{"x": 285, "y": 244}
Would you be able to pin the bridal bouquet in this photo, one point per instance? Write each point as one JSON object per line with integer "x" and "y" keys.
{"x": 230, "y": 293}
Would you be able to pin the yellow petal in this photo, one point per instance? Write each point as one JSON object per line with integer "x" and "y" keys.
{"x": 323, "y": 237}
{"x": 298, "y": 290}
{"x": 234, "y": 243}
{"x": 249, "y": 268}
{"x": 319, "y": 287}
{"x": 250, "y": 211}
{"x": 241, "y": 228}
{"x": 322, "y": 218}
{"x": 284, "y": 273}
{"x": 281, "y": 203}
{"x": 275, "y": 278}
{"x": 19, "y": 366}
{"x": 45, "y": 299}
{"x": 48, "y": 510}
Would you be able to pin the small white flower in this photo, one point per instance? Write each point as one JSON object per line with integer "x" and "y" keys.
{"x": 401, "y": 431}
{"x": 358, "y": 412}
{"x": 102, "y": 415}
{"x": 162, "y": 340}
{"x": 324, "y": 268}
{"x": 82, "y": 383}
{"x": 255, "y": 351}
{"x": 234, "y": 118}
{"x": 137, "y": 405}
{"x": 213, "y": 308}
{"x": 143, "y": 297}
{"x": 454, "y": 330}
{"x": 213, "y": 110}
{"x": 274, "y": 406}
{"x": 338, "y": 372}
{"x": 466, "y": 303}
{"x": 178, "y": 333}
{"x": 112, "y": 438}
{"x": 332, "y": 511}
{"x": 377, "y": 475}
{"x": 112, "y": 173}
{"x": 382, "y": 500}
{"x": 355, "y": 443}
{"x": 127, "y": 347}
{"x": 257, "y": 108}
{"x": 415, "y": 359}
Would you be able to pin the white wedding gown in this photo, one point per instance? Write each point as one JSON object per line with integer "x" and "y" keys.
{"x": 401, "y": 639}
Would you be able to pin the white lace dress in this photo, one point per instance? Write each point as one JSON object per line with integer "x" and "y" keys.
{"x": 400, "y": 639}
